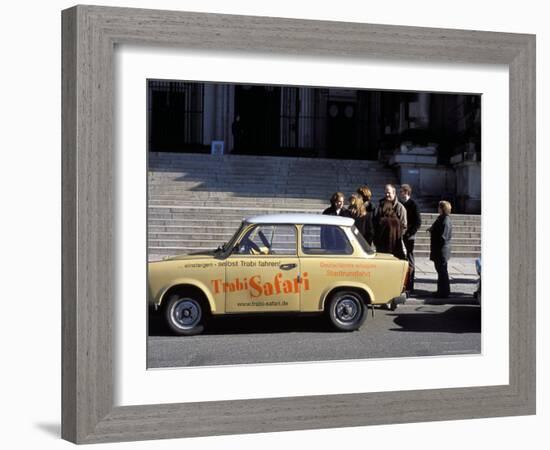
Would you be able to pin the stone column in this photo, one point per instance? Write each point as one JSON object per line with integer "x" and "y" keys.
{"x": 306, "y": 119}
{"x": 209, "y": 111}
{"x": 422, "y": 110}
{"x": 468, "y": 186}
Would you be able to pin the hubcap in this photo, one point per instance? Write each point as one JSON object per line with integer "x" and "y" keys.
{"x": 186, "y": 313}
{"x": 347, "y": 309}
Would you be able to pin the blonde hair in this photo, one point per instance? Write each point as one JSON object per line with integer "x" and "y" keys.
{"x": 445, "y": 207}
{"x": 365, "y": 193}
{"x": 356, "y": 206}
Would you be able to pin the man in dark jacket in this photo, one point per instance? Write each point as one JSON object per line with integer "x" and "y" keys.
{"x": 330, "y": 239}
{"x": 413, "y": 224}
{"x": 440, "y": 247}
{"x": 336, "y": 207}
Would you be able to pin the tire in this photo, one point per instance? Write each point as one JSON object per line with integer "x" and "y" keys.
{"x": 347, "y": 311}
{"x": 185, "y": 315}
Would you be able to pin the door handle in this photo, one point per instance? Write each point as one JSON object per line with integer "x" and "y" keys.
{"x": 287, "y": 266}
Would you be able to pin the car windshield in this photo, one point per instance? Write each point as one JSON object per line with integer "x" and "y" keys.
{"x": 364, "y": 244}
{"x": 231, "y": 243}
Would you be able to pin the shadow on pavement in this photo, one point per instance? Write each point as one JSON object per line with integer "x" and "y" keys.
{"x": 456, "y": 298}
{"x": 455, "y": 319}
{"x": 454, "y": 280}
{"x": 250, "y": 325}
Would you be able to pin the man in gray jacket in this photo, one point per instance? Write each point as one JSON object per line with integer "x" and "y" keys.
{"x": 399, "y": 209}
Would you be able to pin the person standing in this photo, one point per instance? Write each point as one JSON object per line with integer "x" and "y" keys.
{"x": 398, "y": 208}
{"x": 336, "y": 207}
{"x": 368, "y": 231}
{"x": 358, "y": 212}
{"x": 414, "y": 221}
{"x": 329, "y": 237}
{"x": 441, "y": 233}
{"x": 388, "y": 237}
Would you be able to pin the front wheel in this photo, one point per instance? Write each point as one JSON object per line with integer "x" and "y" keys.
{"x": 347, "y": 311}
{"x": 185, "y": 315}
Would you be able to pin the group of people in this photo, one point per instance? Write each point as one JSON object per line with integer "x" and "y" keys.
{"x": 391, "y": 226}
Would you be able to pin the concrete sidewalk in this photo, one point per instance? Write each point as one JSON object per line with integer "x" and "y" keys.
{"x": 463, "y": 277}
{"x": 458, "y": 267}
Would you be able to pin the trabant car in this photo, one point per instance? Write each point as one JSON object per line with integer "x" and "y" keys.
{"x": 283, "y": 263}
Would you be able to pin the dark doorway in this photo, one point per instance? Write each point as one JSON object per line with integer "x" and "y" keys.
{"x": 342, "y": 130}
{"x": 256, "y": 129}
{"x": 176, "y": 116}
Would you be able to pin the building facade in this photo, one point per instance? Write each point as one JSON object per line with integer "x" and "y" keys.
{"x": 432, "y": 140}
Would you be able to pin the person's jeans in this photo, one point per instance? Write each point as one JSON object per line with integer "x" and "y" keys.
{"x": 443, "y": 284}
{"x": 409, "y": 245}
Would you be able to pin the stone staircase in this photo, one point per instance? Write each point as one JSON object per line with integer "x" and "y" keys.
{"x": 197, "y": 201}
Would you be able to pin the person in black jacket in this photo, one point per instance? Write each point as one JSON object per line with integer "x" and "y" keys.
{"x": 368, "y": 230}
{"x": 413, "y": 224}
{"x": 330, "y": 239}
{"x": 336, "y": 207}
{"x": 440, "y": 247}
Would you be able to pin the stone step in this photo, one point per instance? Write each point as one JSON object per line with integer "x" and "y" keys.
{"x": 233, "y": 224}
{"x": 229, "y": 227}
{"x": 158, "y": 158}
{"x": 232, "y": 206}
{"x": 259, "y": 196}
{"x": 460, "y": 239}
{"x": 156, "y": 253}
{"x": 306, "y": 192}
{"x": 174, "y": 212}
{"x": 209, "y": 242}
{"x": 200, "y": 194}
{"x": 197, "y": 201}
{"x": 316, "y": 179}
{"x": 196, "y": 204}
{"x": 199, "y": 190}
{"x": 187, "y": 215}
{"x": 229, "y": 231}
{"x": 257, "y": 172}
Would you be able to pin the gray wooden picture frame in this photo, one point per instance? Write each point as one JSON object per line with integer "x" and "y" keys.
{"x": 89, "y": 35}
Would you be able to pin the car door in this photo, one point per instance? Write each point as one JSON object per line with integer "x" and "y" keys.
{"x": 263, "y": 273}
{"x": 325, "y": 260}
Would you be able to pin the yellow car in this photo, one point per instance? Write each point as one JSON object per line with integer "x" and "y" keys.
{"x": 283, "y": 263}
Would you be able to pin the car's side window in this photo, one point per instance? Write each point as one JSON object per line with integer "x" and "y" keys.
{"x": 325, "y": 240}
{"x": 269, "y": 240}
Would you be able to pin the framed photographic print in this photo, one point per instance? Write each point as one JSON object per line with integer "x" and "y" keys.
{"x": 289, "y": 149}
{"x": 143, "y": 92}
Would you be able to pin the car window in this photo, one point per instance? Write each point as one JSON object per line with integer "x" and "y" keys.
{"x": 364, "y": 244}
{"x": 325, "y": 240}
{"x": 269, "y": 240}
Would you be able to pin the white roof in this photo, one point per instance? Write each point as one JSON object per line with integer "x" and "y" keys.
{"x": 306, "y": 219}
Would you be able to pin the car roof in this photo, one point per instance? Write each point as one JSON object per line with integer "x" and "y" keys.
{"x": 303, "y": 219}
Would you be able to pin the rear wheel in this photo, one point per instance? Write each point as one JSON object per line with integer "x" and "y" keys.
{"x": 347, "y": 311}
{"x": 185, "y": 314}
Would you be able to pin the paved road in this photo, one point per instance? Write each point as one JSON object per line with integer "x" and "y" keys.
{"x": 420, "y": 328}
